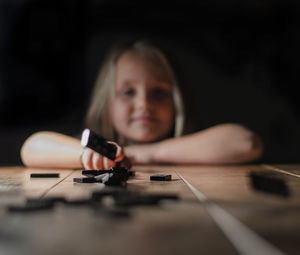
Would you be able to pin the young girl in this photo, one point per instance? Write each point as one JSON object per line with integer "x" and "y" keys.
{"x": 137, "y": 104}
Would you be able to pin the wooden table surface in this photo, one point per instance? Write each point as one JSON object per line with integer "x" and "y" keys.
{"x": 218, "y": 213}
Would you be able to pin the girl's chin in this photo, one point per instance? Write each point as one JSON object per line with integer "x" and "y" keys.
{"x": 145, "y": 139}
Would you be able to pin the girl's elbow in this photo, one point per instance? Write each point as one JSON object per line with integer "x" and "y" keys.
{"x": 30, "y": 147}
{"x": 25, "y": 153}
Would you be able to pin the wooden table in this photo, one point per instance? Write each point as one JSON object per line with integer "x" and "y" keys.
{"x": 218, "y": 213}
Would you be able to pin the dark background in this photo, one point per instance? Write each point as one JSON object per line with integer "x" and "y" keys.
{"x": 237, "y": 61}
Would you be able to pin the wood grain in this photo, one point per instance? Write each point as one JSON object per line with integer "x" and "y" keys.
{"x": 272, "y": 217}
{"x": 173, "y": 227}
{"x": 183, "y": 227}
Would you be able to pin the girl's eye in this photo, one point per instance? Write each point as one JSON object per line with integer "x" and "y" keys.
{"x": 161, "y": 94}
{"x": 128, "y": 92}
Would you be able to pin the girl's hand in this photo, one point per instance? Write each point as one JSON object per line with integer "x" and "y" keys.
{"x": 92, "y": 160}
{"x": 141, "y": 154}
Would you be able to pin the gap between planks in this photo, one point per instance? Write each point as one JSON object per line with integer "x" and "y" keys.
{"x": 270, "y": 167}
{"x": 48, "y": 190}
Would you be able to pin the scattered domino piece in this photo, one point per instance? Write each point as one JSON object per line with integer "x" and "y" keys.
{"x": 116, "y": 176}
{"x": 116, "y": 180}
{"x": 79, "y": 202}
{"x": 92, "y": 173}
{"x": 137, "y": 199}
{"x": 114, "y": 170}
{"x": 85, "y": 180}
{"x": 52, "y": 200}
{"x": 267, "y": 182}
{"x": 161, "y": 177}
{"x": 131, "y": 173}
{"x": 103, "y": 177}
{"x": 44, "y": 175}
{"x": 162, "y": 196}
{"x": 31, "y": 207}
{"x": 122, "y": 200}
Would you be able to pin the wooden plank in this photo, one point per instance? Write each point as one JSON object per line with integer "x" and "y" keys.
{"x": 182, "y": 227}
{"x": 141, "y": 182}
{"x": 16, "y": 184}
{"x": 274, "y": 218}
{"x": 152, "y": 229}
{"x": 37, "y": 187}
{"x": 186, "y": 217}
{"x": 71, "y": 190}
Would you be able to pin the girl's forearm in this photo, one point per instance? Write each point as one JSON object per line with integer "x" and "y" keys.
{"x": 227, "y": 143}
{"x": 50, "y": 149}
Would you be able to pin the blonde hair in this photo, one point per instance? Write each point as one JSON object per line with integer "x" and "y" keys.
{"x": 98, "y": 116}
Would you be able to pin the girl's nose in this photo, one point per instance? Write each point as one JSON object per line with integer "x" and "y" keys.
{"x": 143, "y": 101}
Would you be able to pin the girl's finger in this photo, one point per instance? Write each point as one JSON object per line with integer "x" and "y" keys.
{"x": 120, "y": 152}
{"x": 97, "y": 161}
{"x": 87, "y": 158}
{"x": 107, "y": 163}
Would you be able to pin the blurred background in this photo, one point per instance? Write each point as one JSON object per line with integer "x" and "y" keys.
{"x": 236, "y": 61}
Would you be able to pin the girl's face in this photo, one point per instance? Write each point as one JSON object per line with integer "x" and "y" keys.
{"x": 142, "y": 107}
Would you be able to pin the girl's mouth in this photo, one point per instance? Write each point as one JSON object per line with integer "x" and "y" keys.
{"x": 144, "y": 119}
